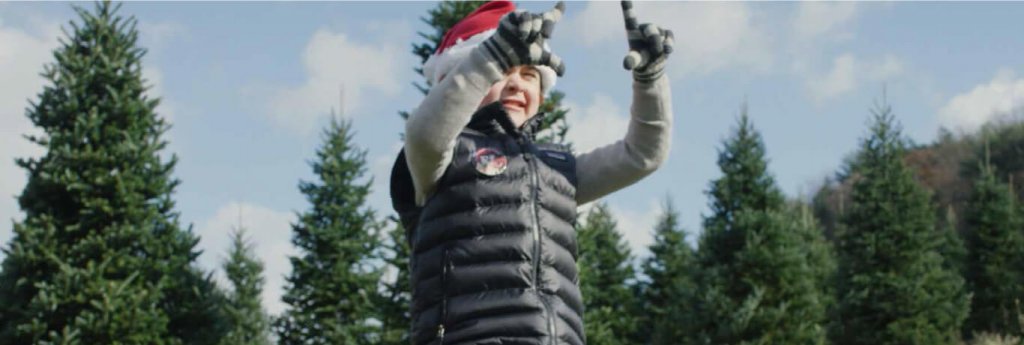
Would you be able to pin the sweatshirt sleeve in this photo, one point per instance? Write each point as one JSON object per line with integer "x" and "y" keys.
{"x": 433, "y": 126}
{"x": 645, "y": 147}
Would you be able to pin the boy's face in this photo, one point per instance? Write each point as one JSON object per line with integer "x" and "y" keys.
{"x": 519, "y": 93}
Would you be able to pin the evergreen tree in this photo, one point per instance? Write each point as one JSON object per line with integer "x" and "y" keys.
{"x": 953, "y": 250}
{"x": 100, "y": 257}
{"x": 893, "y": 285}
{"x": 397, "y": 295}
{"x": 249, "y": 323}
{"x": 670, "y": 270}
{"x": 821, "y": 257}
{"x": 762, "y": 266}
{"x": 333, "y": 283}
{"x": 996, "y": 249}
{"x": 605, "y": 271}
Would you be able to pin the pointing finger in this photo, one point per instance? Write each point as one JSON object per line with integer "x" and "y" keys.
{"x": 628, "y": 15}
{"x": 555, "y": 14}
{"x": 551, "y": 18}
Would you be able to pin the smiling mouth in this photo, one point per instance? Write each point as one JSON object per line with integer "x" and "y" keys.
{"x": 513, "y": 104}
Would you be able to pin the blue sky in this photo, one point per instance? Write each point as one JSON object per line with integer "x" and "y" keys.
{"x": 247, "y": 87}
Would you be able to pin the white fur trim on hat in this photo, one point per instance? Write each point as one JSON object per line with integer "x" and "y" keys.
{"x": 439, "y": 65}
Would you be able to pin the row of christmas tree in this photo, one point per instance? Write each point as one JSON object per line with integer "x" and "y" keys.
{"x": 101, "y": 256}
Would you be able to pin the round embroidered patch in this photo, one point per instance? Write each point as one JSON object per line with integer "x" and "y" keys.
{"x": 490, "y": 161}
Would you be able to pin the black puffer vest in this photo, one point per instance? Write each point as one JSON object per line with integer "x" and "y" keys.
{"x": 494, "y": 249}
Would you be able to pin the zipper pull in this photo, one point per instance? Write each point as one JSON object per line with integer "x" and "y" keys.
{"x": 525, "y": 149}
{"x": 440, "y": 332}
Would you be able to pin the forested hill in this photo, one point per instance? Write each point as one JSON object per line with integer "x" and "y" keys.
{"x": 947, "y": 167}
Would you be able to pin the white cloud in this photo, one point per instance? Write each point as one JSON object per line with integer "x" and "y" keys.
{"x": 839, "y": 80}
{"x": 848, "y": 72}
{"x": 889, "y": 67}
{"x": 23, "y": 52}
{"x": 334, "y": 61}
{"x": 600, "y": 123}
{"x": 637, "y": 226}
{"x": 970, "y": 110}
{"x": 269, "y": 232}
{"x": 708, "y": 35}
{"x": 818, "y": 19}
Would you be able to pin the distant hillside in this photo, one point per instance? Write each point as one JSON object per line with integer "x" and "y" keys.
{"x": 946, "y": 167}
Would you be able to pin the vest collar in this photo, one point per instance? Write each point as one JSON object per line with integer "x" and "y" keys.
{"x": 493, "y": 120}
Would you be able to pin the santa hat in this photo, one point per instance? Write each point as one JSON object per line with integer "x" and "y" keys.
{"x": 468, "y": 33}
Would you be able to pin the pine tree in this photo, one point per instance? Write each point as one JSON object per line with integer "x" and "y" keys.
{"x": 953, "y": 250}
{"x": 893, "y": 285}
{"x": 995, "y": 270}
{"x": 605, "y": 272}
{"x": 670, "y": 270}
{"x": 100, "y": 257}
{"x": 394, "y": 304}
{"x": 821, "y": 256}
{"x": 333, "y": 283}
{"x": 762, "y": 266}
{"x": 248, "y": 322}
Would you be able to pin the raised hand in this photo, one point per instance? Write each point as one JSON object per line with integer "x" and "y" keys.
{"x": 521, "y": 37}
{"x": 649, "y": 46}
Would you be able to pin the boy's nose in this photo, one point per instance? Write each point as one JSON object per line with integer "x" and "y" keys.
{"x": 513, "y": 84}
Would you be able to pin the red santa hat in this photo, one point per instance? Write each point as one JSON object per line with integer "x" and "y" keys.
{"x": 468, "y": 33}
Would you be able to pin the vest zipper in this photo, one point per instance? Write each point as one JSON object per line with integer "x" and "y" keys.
{"x": 534, "y": 189}
{"x": 444, "y": 296}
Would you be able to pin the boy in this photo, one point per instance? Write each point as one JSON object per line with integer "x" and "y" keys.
{"x": 489, "y": 213}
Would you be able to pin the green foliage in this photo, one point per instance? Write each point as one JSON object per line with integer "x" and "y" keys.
{"x": 333, "y": 284}
{"x": 440, "y": 19}
{"x": 101, "y": 257}
{"x": 893, "y": 285}
{"x": 605, "y": 270}
{"x": 745, "y": 183}
{"x": 953, "y": 249}
{"x": 947, "y": 167}
{"x": 394, "y": 303}
{"x": 763, "y": 267}
{"x": 249, "y": 323}
{"x": 995, "y": 265}
{"x": 670, "y": 270}
{"x": 554, "y": 127}
{"x": 1001, "y": 145}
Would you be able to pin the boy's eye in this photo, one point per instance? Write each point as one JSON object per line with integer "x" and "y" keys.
{"x": 530, "y": 74}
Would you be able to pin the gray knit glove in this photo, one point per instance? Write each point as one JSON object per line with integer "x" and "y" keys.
{"x": 520, "y": 39}
{"x": 649, "y": 47}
